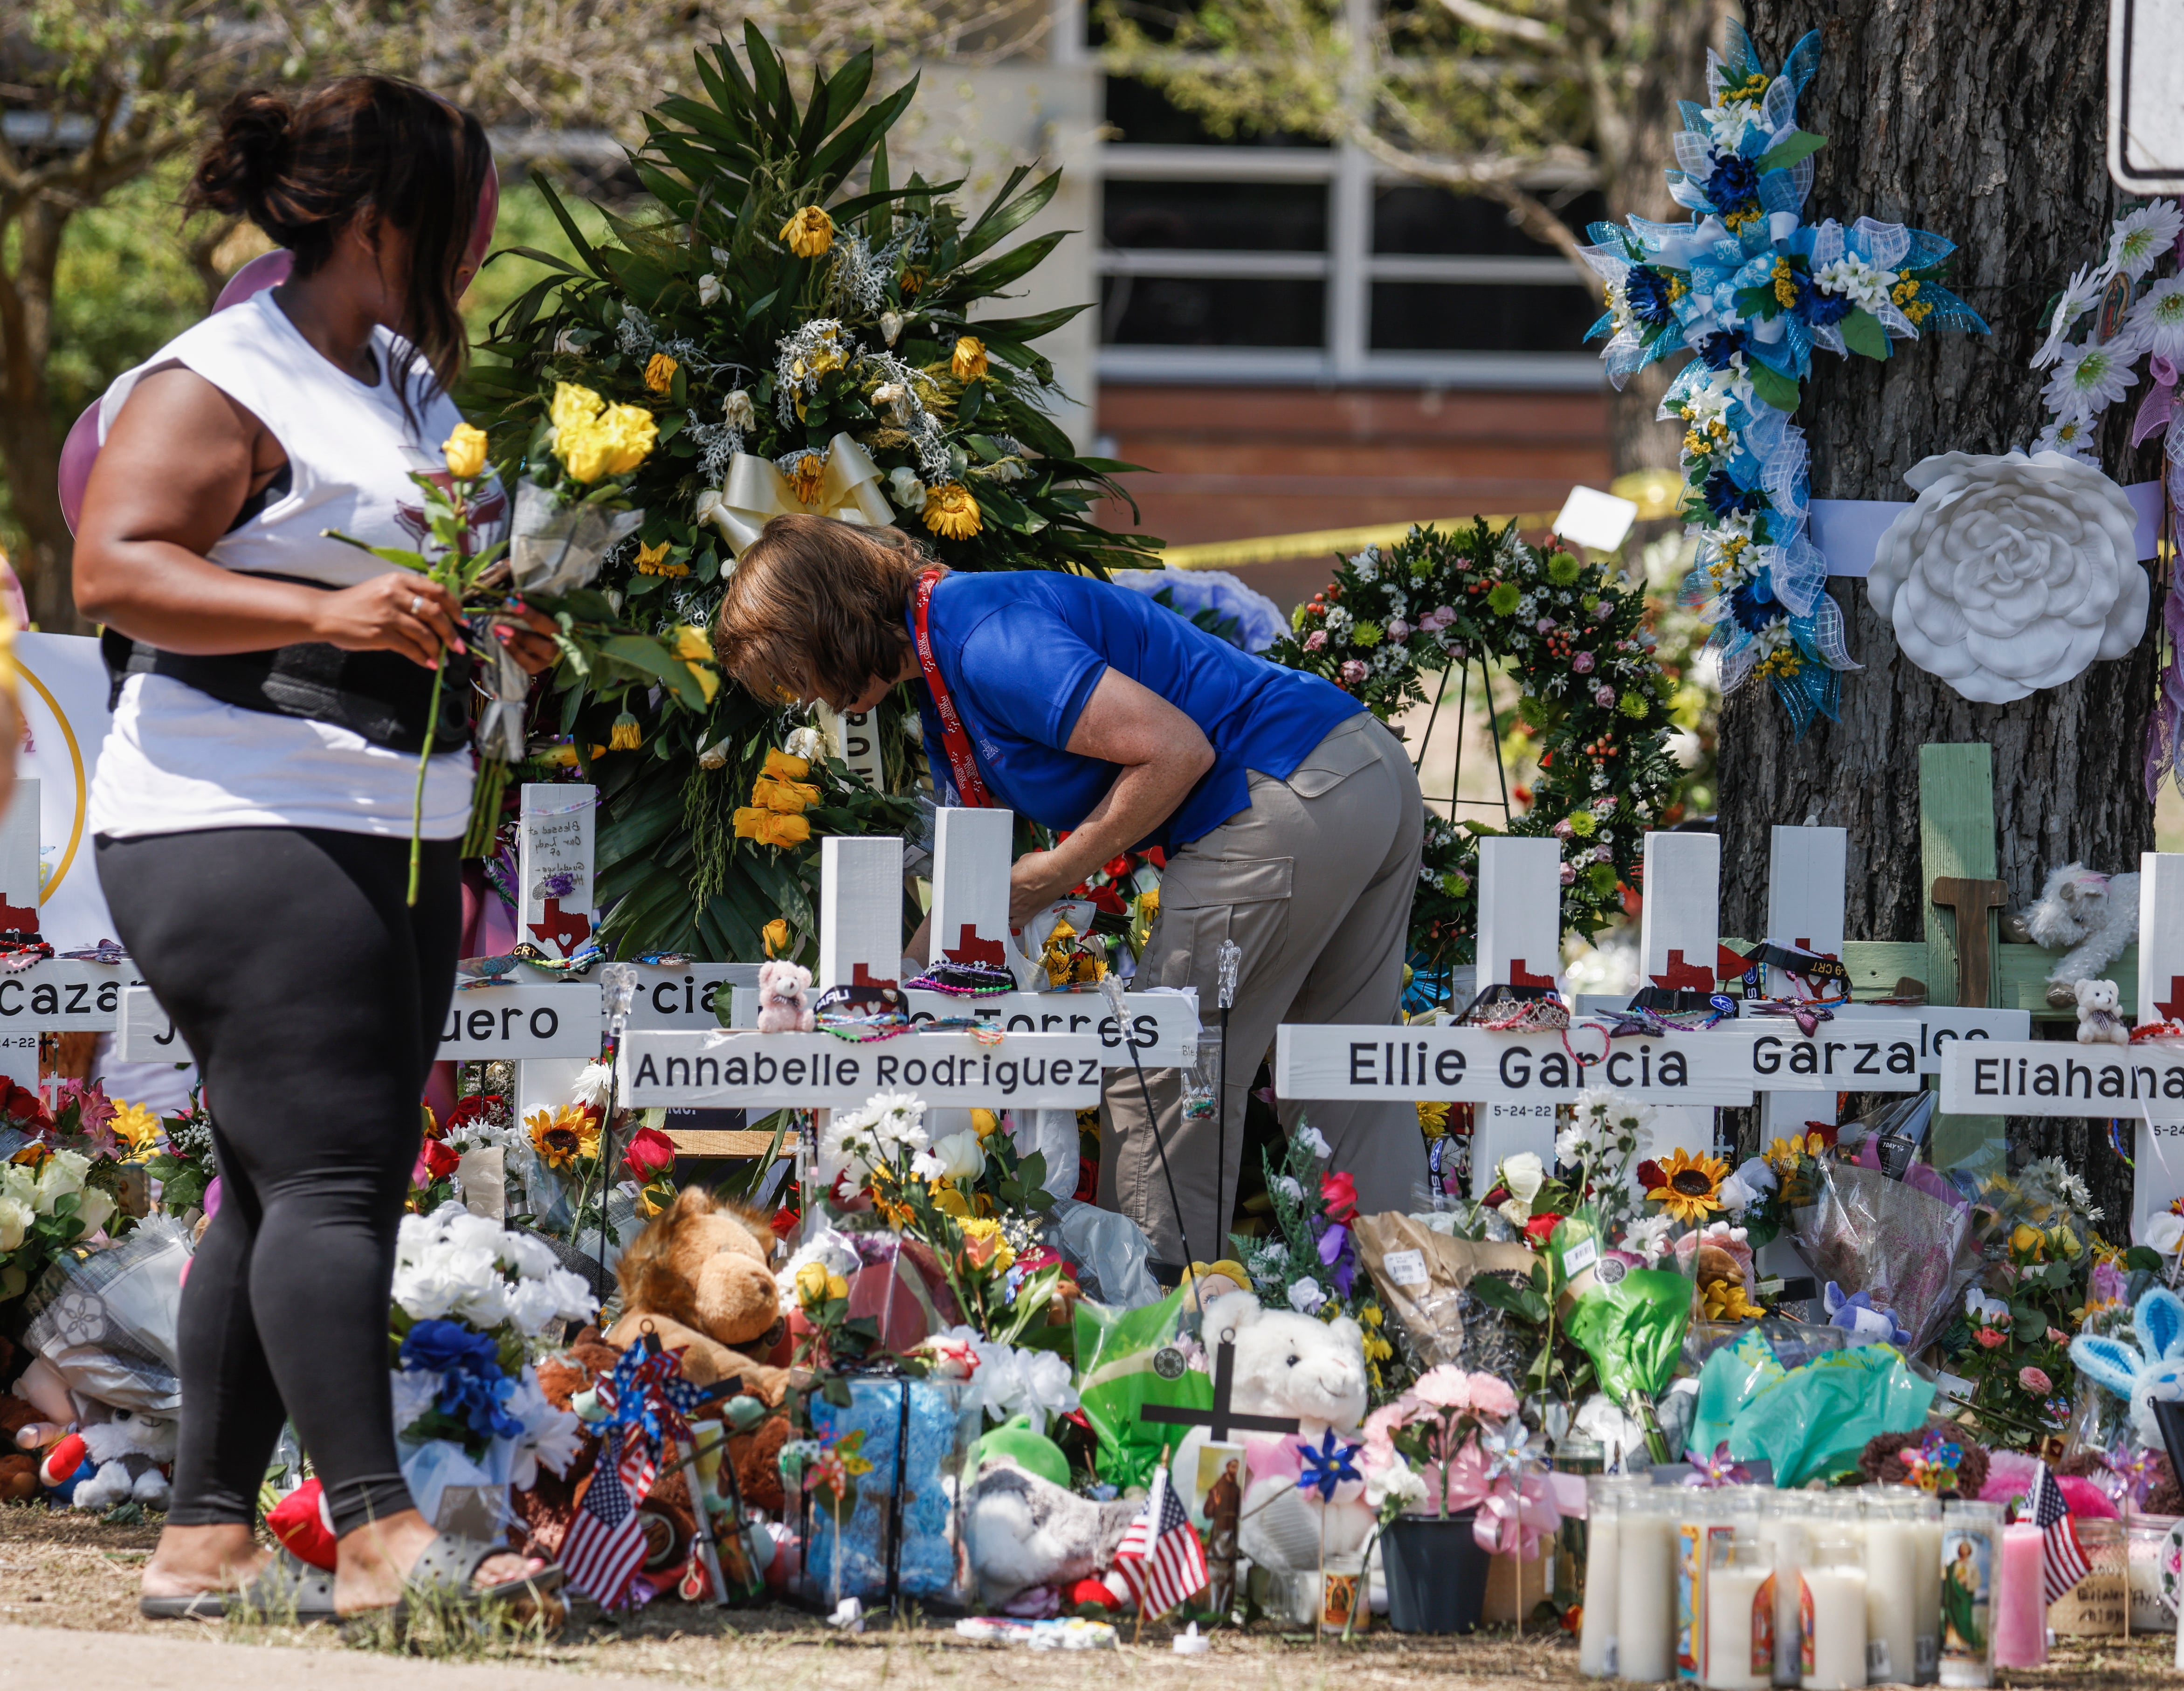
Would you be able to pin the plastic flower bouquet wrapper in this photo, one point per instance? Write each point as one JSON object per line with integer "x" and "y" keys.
{"x": 1126, "y": 1360}
{"x": 1422, "y": 1275}
{"x": 106, "y": 1321}
{"x": 1735, "y": 1362}
{"x": 1908, "y": 1250}
{"x": 1811, "y": 1422}
{"x": 555, "y": 548}
{"x": 918, "y": 1436}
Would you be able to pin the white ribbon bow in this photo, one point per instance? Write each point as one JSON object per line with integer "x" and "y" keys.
{"x": 756, "y": 492}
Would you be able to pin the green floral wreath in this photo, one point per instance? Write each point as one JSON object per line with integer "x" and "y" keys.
{"x": 1594, "y": 697}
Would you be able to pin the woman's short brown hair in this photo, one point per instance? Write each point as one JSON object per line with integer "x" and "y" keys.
{"x": 817, "y": 605}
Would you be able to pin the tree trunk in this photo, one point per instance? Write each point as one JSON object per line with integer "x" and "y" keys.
{"x": 29, "y": 450}
{"x": 1984, "y": 121}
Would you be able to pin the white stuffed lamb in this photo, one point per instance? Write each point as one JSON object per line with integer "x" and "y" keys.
{"x": 2141, "y": 1373}
{"x": 1297, "y": 1365}
{"x": 2095, "y": 915}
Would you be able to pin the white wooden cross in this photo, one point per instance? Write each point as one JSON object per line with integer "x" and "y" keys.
{"x": 1520, "y": 939}
{"x": 1679, "y": 940}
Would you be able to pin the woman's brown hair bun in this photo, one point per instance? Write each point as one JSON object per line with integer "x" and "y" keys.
{"x": 245, "y": 159}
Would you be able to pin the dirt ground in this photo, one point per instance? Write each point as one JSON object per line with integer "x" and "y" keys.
{"x": 69, "y": 1572}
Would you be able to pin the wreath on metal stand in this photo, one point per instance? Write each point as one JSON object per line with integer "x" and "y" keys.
{"x": 1572, "y": 634}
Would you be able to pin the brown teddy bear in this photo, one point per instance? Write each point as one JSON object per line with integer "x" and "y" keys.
{"x": 697, "y": 1276}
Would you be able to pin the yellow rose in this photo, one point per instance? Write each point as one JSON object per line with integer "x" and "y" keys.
{"x": 574, "y": 405}
{"x": 810, "y": 234}
{"x": 785, "y": 798}
{"x": 776, "y": 935}
{"x": 583, "y": 449}
{"x": 987, "y": 1123}
{"x": 652, "y": 560}
{"x": 708, "y": 680}
{"x": 630, "y": 431}
{"x": 951, "y": 513}
{"x": 692, "y": 642}
{"x": 138, "y": 1125}
{"x": 660, "y": 372}
{"x": 969, "y": 362}
{"x": 768, "y": 828}
{"x": 785, "y": 767}
{"x": 465, "y": 451}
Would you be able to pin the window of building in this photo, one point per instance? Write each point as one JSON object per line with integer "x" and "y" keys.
{"x": 1254, "y": 261}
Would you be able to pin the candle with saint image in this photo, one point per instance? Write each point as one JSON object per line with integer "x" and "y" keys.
{"x": 1970, "y": 1553}
{"x": 1786, "y": 1528}
{"x": 1740, "y": 1615}
{"x": 2021, "y": 1599}
{"x": 1834, "y": 1616}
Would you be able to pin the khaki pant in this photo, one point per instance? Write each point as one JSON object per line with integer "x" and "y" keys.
{"x": 1314, "y": 881}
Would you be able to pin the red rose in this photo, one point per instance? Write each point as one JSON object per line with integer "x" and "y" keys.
{"x": 651, "y": 1154}
{"x": 1540, "y": 1228}
{"x": 1650, "y": 1176}
{"x": 1116, "y": 868}
{"x": 784, "y": 1221}
{"x": 435, "y": 1162}
{"x": 22, "y": 1103}
{"x": 1339, "y": 1193}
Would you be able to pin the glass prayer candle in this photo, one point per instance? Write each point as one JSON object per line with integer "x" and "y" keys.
{"x": 1785, "y": 1520}
{"x": 1646, "y": 1587}
{"x": 1739, "y": 1614}
{"x": 2021, "y": 1599}
{"x": 1896, "y": 1551}
{"x": 1834, "y": 1616}
{"x": 1970, "y": 1560}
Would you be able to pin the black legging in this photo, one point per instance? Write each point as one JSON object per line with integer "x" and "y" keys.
{"x": 312, "y": 998}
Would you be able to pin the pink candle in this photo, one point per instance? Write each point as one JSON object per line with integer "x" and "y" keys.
{"x": 2020, "y": 1603}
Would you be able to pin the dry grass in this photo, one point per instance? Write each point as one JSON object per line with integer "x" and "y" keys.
{"x": 69, "y": 1571}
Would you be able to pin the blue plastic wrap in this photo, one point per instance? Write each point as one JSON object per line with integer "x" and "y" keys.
{"x": 944, "y": 1421}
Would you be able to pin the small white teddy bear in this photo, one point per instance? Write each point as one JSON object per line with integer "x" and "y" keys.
{"x": 784, "y": 999}
{"x": 2098, "y": 1023}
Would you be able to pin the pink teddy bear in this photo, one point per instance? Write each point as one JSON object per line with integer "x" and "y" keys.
{"x": 784, "y": 1002}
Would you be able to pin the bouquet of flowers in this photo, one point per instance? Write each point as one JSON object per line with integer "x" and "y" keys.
{"x": 60, "y": 1178}
{"x": 798, "y": 327}
{"x": 474, "y": 1307}
{"x": 1309, "y": 1262}
{"x": 1456, "y": 1442}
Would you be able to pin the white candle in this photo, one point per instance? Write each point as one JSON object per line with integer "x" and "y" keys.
{"x": 1645, "y": 1590}
{"x": 1834, "y": 1582}
{"x": 1926, "y": 1669}
{"x": 1897, "y": 1553}
{"x": 1740, "y": 1618}
{"x": 1603, "y": 1571}
{"x": 1784, "y": 1527}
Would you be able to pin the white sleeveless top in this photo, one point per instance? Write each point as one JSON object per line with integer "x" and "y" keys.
{"x": 176, "y": 760}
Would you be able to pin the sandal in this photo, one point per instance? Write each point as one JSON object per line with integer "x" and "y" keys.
{"x": 447, "y": 1569}
{"x": 284, "y": 1589}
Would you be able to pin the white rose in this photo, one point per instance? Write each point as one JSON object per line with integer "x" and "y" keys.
{"x": 2010, "y": 574}
{"x": 805, "y": 743}
{"x": 904, "y": 488}
{"x": 2164, "y": 1233}
{"x": 890, "y": 326}
{"x": 15, "y": 1219}
{"x": 737, "y": 411}
{"x": 94, "y": 1209}
{"x": 710, "y": 291}
{"x": 1306, "y": 1296}
{"x": 531, "y": 1305}
{"x": 1523, "y": 1174}
{"x": 960, "y": 1156}
{"x": 59, "y": 1174}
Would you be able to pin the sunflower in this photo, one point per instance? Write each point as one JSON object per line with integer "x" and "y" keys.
{"x": 1690, "y": 1188}
{"x": 560, "y": 1137}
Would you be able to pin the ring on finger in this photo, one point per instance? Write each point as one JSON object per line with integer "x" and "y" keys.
{"x": 416, "y": 603}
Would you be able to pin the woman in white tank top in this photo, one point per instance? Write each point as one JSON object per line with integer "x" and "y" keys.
{"x": 253, "y": 803}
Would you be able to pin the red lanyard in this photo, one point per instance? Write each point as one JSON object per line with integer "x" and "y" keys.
{"x": 970, "y": 790}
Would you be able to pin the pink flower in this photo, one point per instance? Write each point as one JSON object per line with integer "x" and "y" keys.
{"x": 1545, "y": 625}
{"x": 1603, "y": 854}
{"x": 1316, "y": 640}
{"x": 1562, "y": 829}
{"x": 1398, "y": 630}
{"x": 1445, "y": 1388}
{"x": 2034, "y": 1380}
{"x": 1457, "y": 650}
{"x": 1569, "y": 874}
{"x": 1491, "y": 1397}
{"x": 1603, "y": 695}
{"x": 1353, "y": 671}
{"x": 1582, "y": 663}
{"x": 1989, "y": 1337}
{"x": 1437, "y": 618}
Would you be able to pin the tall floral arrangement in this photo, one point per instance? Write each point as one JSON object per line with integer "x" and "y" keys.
{"x": 1749, "y": 288}
{"x": 798, "y": 327}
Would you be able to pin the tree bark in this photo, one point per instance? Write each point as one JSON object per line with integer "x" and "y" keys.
{"x": 1984, "y": 121}
{"x": 29, "y": 448}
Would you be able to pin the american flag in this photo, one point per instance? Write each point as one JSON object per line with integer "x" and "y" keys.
{"x": 1160, "y": 1558}
{"x": 2066, "y": 1561}
{"x": 605, "y": 1545}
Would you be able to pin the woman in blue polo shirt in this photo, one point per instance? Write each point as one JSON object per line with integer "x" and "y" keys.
{"x": 1290, "y": 815}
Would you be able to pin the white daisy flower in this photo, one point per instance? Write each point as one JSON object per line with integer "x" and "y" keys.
{"x": 2089, "y": 378}
{"x": 2083, "y": 293}
{"x": 2072, "y": 437}
{"x": 2156, "y": 323}
{"x": 2142, "y": 236}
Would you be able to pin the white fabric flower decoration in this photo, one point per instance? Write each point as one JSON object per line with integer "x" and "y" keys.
{"x": 2010, "y": 573}
{"x": 1306, "y": 1296}
{"x": 2083, "y": 293}
{"x": 2141, "y": 238}
{"x": 2156, "y": 323}
{"x": 415, "y": 1390}
{"x": 2089, "y": 378}
{"x": 710, "y": 290}
{"x": 1314, "y": 1140}
{"x": 2165, "y": 1233}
